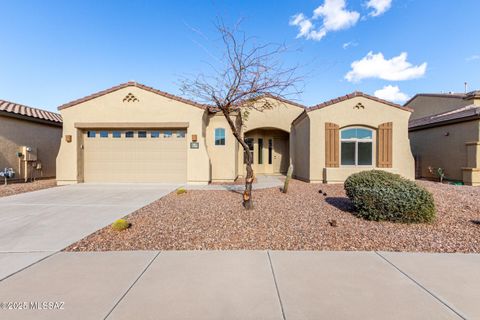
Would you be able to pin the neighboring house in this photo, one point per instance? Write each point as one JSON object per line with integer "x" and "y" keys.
{"x": 445, "y": 133}
{"x": 134, "y": 133}
{"x": 29, "y": 140}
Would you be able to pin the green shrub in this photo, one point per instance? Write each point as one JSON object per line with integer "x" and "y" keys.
{"x": 120, "y": 225}
{"x": 379, "y": 195}
{"x": 181, "y": 190}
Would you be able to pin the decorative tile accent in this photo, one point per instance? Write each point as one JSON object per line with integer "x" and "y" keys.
{"x": 130, "y": 98}
{"x": 359, "y": 106}
{"x": 267, "y": 105}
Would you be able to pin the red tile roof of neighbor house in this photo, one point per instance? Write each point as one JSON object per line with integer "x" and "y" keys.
{"x": 456, "y": 115}
{"x": 354, "y": 95}
{"x": 34, "y": 113}
{"x": 131, "y": 84}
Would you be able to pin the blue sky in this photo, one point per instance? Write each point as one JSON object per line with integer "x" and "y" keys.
{"x": 52, "y": 52}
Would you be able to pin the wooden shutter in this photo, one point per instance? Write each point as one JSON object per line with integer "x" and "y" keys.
{"x": 331, "y": 145}
{"x": 384, "y": 145}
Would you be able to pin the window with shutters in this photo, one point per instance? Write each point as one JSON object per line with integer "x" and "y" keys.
{"x": 356, "y": 147}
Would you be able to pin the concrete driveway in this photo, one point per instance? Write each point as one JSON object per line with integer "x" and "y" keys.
{"x": 36, "y": 224}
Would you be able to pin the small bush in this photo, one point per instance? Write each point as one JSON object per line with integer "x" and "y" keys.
{"x": 120, "y": 225}
{"x": 181, "y": 190}
{"x": 379, "y": 195}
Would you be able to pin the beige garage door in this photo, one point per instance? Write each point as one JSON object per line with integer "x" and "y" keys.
{"x": 135, "y": 155}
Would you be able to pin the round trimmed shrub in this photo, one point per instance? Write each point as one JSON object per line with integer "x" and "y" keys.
{"x": 382, "y": 196}
{"x": 120, "y": 225}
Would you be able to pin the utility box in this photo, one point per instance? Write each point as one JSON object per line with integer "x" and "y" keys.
{"x": 29, "y": 153}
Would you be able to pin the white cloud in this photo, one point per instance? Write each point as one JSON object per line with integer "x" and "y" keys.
{"x": 305, "y": 27}
{"x": 474, "y": 57}
{"x": 349, "y": 44}
{"x": 376, "y": 66}
{"x": 334, "y": 17}
{"x": 391, "y": 93}
{"x": 379, "y": 6}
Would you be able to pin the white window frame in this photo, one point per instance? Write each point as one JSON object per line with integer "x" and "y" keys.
{"x": 215, "y": 137}
{"x": 357, "y": 141}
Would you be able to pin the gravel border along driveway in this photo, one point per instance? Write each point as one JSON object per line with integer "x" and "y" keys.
{"x": 16, "y": 188}
{"x": 299, "y": 220}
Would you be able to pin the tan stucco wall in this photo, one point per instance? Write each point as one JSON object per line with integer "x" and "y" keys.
{"x": 426, "y": 105}
{"x": 300, "y": 148}
{"x": 280, "y": 116}
{"x": 345, "y": 114}
{"x": 16, "y": 133}
{"x": 433, "y": 147}
{"x": 151, "y": 107}
{"x": 223, "y": 159}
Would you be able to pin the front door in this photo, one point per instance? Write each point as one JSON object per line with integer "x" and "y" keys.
{"x": 280, "y": 155}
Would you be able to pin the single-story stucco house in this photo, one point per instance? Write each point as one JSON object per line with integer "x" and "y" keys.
{"x": 445, "y": 133}
{"x": 29, "y": 140}
{"x": 135, "y": 133}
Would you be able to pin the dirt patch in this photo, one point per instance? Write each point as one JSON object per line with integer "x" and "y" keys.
{"x": 308, "y": 217}
{"x": 16, "y": 188}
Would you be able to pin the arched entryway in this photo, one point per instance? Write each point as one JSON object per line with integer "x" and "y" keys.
{"x": 270, "y": 148}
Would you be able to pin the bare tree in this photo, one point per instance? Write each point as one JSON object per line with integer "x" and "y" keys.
{"x": 247, "y": 73}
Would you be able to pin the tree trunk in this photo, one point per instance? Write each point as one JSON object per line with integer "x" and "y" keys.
{"x": 247, "y": 194}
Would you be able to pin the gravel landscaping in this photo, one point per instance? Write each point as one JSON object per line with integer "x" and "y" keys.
{"x": 16, "y": 188}
{"x": 303, "y": 219}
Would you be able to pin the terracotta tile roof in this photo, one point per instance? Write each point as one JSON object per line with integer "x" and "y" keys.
{"x": 131, "y": 84}
{"x": 354, "y": 95}
{"x": 455, "y": 115}
{"x": 22, "y": 110}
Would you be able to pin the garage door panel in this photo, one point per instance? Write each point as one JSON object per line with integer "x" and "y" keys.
{"x": 135, "y": 159}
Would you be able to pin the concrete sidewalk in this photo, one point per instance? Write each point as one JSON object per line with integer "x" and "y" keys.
{"x": 37, "y": 224}
{"x": 248, "y": 285}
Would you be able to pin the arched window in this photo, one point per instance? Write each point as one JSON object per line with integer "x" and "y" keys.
{"x": 356, "y": 147}
{"x": 219, "y": 136}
